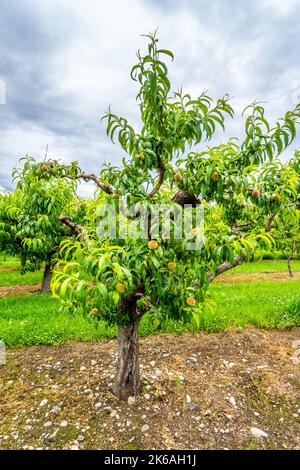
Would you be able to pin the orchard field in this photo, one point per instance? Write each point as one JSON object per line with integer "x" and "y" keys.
{"x": 259, "y": 294}
{"x": 163, "y": 310}
{"x": 201, "y": 388}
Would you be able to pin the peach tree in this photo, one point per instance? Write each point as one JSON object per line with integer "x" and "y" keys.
{"x": 29, "y": 217}
{"x": 119, "y": 275}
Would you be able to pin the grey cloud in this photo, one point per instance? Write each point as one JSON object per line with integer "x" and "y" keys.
{"x": 63, "y": 63}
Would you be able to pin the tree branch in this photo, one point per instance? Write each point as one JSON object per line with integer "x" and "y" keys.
{"x": 270, "y": 222}
{"x": 91, "y": 177}
{"x": 160, "y": 181}
{"x": 222, "y": 268}
{"x": 76, "y": 229}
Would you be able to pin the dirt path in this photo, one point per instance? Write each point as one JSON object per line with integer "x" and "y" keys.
{"x": 19, "y": 289}
{"x": 199, "y": 392}
{"x": 279, "y": 276}
{"x": 223, "y": 279}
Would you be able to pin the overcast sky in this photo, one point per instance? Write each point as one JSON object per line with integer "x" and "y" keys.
{"x": 63, "y": 62}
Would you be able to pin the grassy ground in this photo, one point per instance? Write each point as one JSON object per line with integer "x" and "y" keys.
{"x": 15, "y": 278}
{"x": 7, "y": 261}
{"x": 198, "y": 391}
{"x": 10, "y": 274}
{"x": 35, "y": 318}
{"x": 265, "y": 266}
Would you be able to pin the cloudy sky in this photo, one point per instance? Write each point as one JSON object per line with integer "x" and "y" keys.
{"x": 63, "y": 62}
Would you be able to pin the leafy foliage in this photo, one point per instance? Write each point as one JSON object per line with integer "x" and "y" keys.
{"x": 29, "y": 217}
{"x": 100, "y": 276}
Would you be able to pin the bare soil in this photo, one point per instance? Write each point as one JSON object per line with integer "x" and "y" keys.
{"x": 279, "y": 276}
{"x": 203, "y": 391}
{"x": 19, "y": 289}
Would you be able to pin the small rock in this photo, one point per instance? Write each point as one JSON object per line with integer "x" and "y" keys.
{"x": 44, "y": 402}
{"x": 64, "y": 424}
{"x": 93, "y": 362}
{"x": 131, "y": 400}
{"x": 188, "y": 399}
{"x": 152, "y": 363}
{"x": 258, "y": 433}
{"x": 192, "y": 406}
{"x": 80, "y": 437}
{"x": 74, "y": 447}
{"x": 145, "y": 428}
{"x": 98, "y": 405}
{"x": 48, "y": 424}
{"x": 232, "y": 401}
{"x": 55, "y": 409}
{"x": 147, "y": 396}
{"x": 192, "y": 360}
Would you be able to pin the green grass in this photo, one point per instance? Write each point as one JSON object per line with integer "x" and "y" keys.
{"x": 14, "y": 278}
{"x": 9, "y": 262}
{"x": 265, "y": 266}
{"x": 35, "y": 319}
{"x": 263, "y": 304}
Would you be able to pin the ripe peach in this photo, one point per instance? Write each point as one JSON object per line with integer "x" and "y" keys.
{"x": 178, "y": 177}
{"x": 152, "y": 245}
{"x": 120, "y": 287}
{"x": 215, "y": 176}
{"x": 191, "y": 301}
{"x": 171, "y": 265}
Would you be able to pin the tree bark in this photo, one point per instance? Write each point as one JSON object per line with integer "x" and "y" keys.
{"x": 127, "y": 381}
{"x": 270, "y": 222}
{"x": 289, "y": 266}
{"x": 222, "y": 268}
{"x": 47, "y": 278}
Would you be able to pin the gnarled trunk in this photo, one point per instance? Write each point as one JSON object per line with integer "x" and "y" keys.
{"x": 47, "y": 278}
{"x": 127, "y": 381}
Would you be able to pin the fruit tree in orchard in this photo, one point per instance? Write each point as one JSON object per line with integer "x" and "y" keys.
{"x": 29, "y": 217}
{"x": 119, "y": 278}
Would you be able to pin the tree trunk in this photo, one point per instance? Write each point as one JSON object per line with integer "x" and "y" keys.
{"x": 47, "y": 278}
{"x": 127, "y": 382}
{"x": 289, "y": 266}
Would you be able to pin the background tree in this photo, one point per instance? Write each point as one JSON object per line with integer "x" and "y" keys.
{"x": 118, "y": 279}
{"x": 29, "y": 218}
